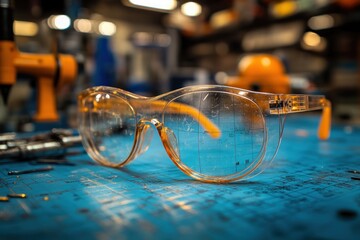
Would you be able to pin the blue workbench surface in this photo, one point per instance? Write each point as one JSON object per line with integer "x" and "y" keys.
{"x": 307, "y": 193}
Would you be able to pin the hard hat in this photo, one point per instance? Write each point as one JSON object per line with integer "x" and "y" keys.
{"x": 261, "y": 72}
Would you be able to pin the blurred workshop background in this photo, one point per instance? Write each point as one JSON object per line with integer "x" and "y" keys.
{"x": 150, "y": 47}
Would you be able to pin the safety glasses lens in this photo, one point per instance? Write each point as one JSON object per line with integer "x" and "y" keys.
{"x": 110, "y": 125}
{"x": 237, "y": 151}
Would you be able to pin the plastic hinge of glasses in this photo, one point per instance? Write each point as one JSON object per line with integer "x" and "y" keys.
{"x": 305, "y": 103}
{"x": 294, "y": 104}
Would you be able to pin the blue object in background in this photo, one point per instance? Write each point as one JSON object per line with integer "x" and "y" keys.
{"x": 104, "y": 64}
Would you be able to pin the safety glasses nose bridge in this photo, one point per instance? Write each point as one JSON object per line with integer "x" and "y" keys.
{"x": 168, "y": 138}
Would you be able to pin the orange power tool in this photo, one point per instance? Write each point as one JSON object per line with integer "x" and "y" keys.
{"x": 261, "y": 72}
{"x": 52, "y": 71}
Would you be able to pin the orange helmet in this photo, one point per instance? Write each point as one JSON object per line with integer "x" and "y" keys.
{"x": 261, "y": 72}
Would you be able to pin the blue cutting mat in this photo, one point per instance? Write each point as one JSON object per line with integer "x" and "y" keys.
{"x": 308, "y": 193}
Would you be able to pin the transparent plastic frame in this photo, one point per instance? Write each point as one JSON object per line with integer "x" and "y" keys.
{"x": 212, "y": 133}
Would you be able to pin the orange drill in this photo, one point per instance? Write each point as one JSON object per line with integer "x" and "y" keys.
{"x": 51, "y": 70}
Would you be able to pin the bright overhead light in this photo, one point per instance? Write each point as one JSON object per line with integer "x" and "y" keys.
{"x": 156, "y": 4}
{"x": 28, "y": 29}
{"x": 107, "y": 28}
{"x": 83, "y": 25}
{"x": 313, "y": 41}
{"x": 60, "y": 22}
{"x": 191, "y": 9}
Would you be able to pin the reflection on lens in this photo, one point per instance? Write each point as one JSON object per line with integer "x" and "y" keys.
{"x": 109, "y": 126}
{"x": 241, "y": 145}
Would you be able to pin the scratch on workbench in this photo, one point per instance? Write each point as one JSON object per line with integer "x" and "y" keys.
{"x": 24, "y": 206}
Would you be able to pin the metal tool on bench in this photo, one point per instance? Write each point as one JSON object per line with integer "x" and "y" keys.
{"x": 51, "y": 144}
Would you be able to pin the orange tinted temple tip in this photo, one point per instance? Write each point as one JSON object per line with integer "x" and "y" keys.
{"x": 325, "y": 122}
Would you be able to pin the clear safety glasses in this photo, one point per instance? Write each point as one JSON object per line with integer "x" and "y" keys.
{"x": 212, "y": 133}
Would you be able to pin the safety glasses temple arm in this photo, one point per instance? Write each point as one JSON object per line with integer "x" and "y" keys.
{"x": 284, "y": 104}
